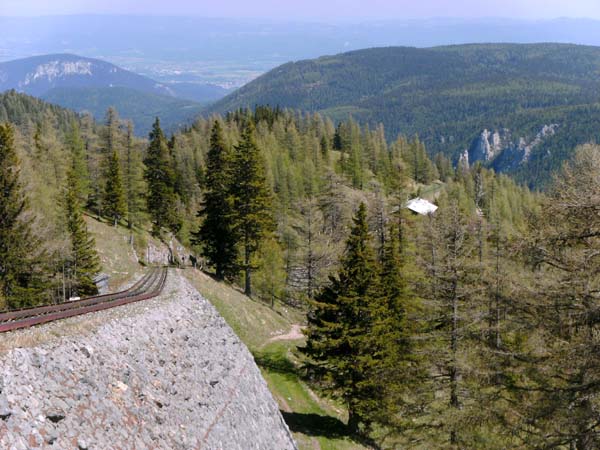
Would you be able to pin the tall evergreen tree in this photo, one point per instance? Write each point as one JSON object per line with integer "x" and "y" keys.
{"x": 115, "y": 204}
{"x": 84, "y": 261}
{"x": 160, "y": 176}
{"x": 216, "y": 234}
{"x": 339, "y": 322}
{"x": 252, "y": 201}
{"x": 21, "y": 282}
{"x": 392, "y": 365}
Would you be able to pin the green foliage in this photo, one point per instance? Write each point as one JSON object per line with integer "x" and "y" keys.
{"x": 140, "y": 107}
{"x": 84, "y": 263}
{"x": 251, "y": 199}
{"x": 216, "y": 234}
{"x": 134, "y": 179}
{"x": 340, "y": 319}
{"x": 448, "y": 95}
{"x": 115, "y": 205}
{"x": 160, "y": 176}
{"x": 21, "y": 283}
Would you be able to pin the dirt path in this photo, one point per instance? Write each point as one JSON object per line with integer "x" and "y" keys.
{"x": 294, "y": 334}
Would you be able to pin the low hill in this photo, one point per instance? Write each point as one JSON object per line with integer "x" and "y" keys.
{"x": 87, "y": 84}
{"x": 141, "y": 107}
{"x": 450, "y": 95}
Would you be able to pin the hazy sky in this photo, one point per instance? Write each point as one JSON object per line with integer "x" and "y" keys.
{"x": 325, "y": 10}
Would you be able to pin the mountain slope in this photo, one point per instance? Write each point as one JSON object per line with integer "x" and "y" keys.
{"x": 447, "y": 95}
{"x": 86, "y": 84}
{"x": 38, "y": 74}
{"x": 141, "y": 107}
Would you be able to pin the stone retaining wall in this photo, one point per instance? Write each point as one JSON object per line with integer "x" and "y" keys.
{"x": 167, "y": 373}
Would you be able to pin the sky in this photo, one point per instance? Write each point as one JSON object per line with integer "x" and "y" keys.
{"x": 321, "y": 10}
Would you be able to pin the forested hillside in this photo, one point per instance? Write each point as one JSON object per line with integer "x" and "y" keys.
{"x": 484, "y": 313}
{"x": 449, "y": 95}
{"x": 92, "y": 85}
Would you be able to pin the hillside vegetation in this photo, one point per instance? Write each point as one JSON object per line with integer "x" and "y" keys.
{"x": 484, "y": 313}
{"x": 141, "y": 107}
{"x": 93, "y": 85}
{"x": 448, "y": 95}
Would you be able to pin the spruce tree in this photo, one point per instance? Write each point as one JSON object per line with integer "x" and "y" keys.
{"x": 216, "y": 234}
{"x": 339, "y": 323}
{"x": 160, "y": 176}
{"x": 21, "y": 282}
{"x": 84, "y": 260}
{"x": 392, "y": 364}
{"x": 115, "y": 205}
{"x": 252, "y": 201}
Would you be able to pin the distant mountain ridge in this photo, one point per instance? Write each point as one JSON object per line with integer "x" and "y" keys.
{"x": 39, "y": 74}
{"x": 87, "y": 84}
{"x": 449, "y": 95}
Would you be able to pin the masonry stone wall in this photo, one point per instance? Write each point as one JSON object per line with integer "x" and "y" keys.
{"x": 167, "y": 373}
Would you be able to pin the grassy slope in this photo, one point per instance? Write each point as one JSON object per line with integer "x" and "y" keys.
{"x": 316, "y": 423}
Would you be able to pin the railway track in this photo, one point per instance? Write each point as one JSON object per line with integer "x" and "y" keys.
{"x": 149, "y": 286}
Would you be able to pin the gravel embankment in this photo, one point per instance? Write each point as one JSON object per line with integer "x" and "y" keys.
{"x": 167, "y": 373}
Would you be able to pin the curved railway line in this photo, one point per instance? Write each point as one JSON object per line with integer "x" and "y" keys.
{"x": 149, "y": 286}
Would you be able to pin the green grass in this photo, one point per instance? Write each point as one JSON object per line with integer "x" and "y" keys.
{"x": 316, "y": 422}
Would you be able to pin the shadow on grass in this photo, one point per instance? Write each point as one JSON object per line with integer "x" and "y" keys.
{"x": 324, "y": 426}
{"x": 276, "y": 363}
{"x": 316, "y": 425}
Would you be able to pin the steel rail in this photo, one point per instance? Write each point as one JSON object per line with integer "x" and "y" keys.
{"x": 150, "y": 286}
{"x": 37, "y": 310}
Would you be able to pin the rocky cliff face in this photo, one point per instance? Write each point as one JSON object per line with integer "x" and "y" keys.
{"x": 502, "y": 150}
{"x": 167, "y": 373}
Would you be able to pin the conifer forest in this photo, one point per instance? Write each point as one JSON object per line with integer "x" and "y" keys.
{"x": 472, "y": 327}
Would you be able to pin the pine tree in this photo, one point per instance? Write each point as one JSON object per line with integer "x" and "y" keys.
{"x": 160, "y": 176}
{"x": 84, "y": 261}
{"x": 251, "y": 200}
{"x": 339, "y": 322}
{"x": 216, "y": 234}
{"x": 115, "y": 205}
{"x": 21, "y": 280}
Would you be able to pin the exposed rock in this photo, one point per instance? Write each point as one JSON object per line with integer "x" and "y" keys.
{"x": 186, "y": 381}
{"x": 503, "y": 151}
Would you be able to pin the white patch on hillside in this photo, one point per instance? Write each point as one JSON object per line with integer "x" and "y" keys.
{"x": 57, "y": 69}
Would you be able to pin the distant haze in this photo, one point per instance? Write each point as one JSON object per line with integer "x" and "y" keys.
{"x": 323, "y": 10}
{"x": 183, "y": 46}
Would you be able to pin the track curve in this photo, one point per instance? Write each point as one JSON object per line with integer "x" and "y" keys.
{"x": 149, "y": 286}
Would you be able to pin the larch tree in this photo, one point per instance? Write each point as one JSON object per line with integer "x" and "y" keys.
{"x": 252, "y": 200}
{"x": 558, "y": 383}
{"x": 134, "y": 179}
{"x": 21, "y": 281}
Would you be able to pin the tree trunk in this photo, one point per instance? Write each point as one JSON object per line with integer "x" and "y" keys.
{"x": 248, "y": 287}
{"x": 353, "y": 421}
